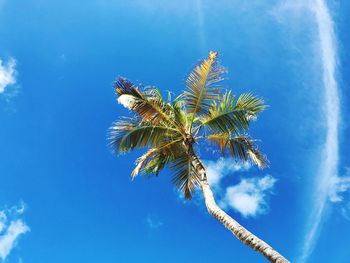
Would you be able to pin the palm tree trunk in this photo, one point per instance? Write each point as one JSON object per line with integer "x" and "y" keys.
{"x": 237, "y": 230}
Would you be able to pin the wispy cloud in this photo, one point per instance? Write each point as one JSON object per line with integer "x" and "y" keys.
{"x": 153, "y": 222}
{"x": 11, "y": 227}
{"x": 326, "y": 181}
{"x": 7, "y": 74}
{"x": 339, "y": 193}
{"x": 201, "y": 26}
{"x": 338, "y": 186}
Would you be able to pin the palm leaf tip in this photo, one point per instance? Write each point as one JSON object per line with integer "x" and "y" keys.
{"x": 213, "y": 54}
{"x": 126, "y": 92}
{"x": 258, "y": 158}
{"x": 124, "y": 86}
{"x": 243, "y": 148}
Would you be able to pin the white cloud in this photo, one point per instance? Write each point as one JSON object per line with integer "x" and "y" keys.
{"x": 11, "y": 227}
{"x": 126, "y": 100}
{"x": 217, "y": 170}
{"x": 7, "y": 74}
{"x": 250, "y": 196}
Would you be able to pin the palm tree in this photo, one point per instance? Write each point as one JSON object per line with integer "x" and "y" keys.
{"x": 171, "y": 129}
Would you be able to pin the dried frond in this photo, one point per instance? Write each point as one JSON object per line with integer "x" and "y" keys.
{"x": 147, "y": 103}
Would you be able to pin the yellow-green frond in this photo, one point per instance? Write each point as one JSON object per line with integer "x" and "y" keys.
{"x": 219, "y": 139}
{"x": 223, "y": 117}
{"x": 202, "y": 88}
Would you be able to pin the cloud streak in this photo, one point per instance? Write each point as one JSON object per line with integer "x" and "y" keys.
{"x": 328, "y": 169}
{"x": 201, "y": 26}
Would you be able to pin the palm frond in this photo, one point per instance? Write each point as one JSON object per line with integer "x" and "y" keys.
{"x": 231, "y": 115}
{"x": 241, "y": 148}
{"x": 147, "y": 103}
{"x": 224, "y": 117}
{"x": 185, "y": 177}
{"x": 251, "y": 104}
{"x": 155, "y": 159}
{"x": 219, "y": 139}
{"x": 202, "y": 86}
{"x": 128, "y": 134}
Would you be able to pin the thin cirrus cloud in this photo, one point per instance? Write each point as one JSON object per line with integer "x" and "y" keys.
{"x": 249, "y": 197}
{"x": 7, "y": 74}
{"x": 328, "y": 185}
{"x": 11, "y": 228}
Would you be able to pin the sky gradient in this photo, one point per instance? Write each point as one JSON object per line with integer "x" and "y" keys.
{"x": 64, "y": 197}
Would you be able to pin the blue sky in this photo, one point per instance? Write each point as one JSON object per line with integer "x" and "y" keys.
{"x": 65, "y": 198}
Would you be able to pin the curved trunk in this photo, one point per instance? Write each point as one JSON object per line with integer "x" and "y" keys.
{"x": 237, "y": 230}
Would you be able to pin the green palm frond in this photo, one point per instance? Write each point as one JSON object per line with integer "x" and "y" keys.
{"x": 232, "y": 116}
{"x": 240, "y": 147}
{"x": 202, "y": 88}
{"x": 250, "y": 104}
{"x": 185, "y": 177}
{"x": 128, "y": 134}
{"x": 148, "y": 103}
{"x": 224, "y": 117}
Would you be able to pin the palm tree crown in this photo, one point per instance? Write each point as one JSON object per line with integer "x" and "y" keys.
{"x": 169, "y": 128}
